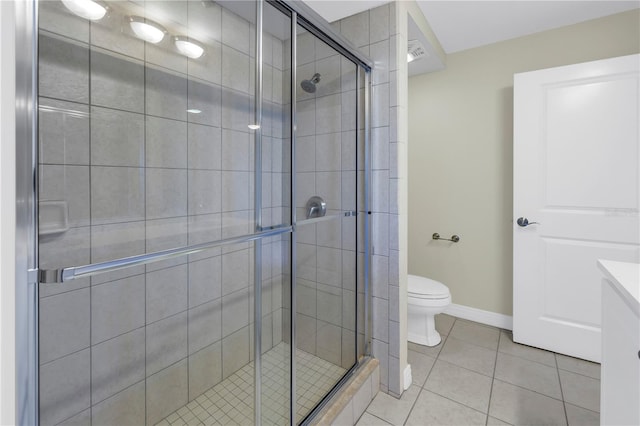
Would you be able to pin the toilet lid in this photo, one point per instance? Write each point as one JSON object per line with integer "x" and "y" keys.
{"x": 426, "y": 288}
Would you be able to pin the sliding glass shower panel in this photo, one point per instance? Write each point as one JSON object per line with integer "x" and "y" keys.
{"x": 145, "y": 146}
{"x": 326, "y": 207}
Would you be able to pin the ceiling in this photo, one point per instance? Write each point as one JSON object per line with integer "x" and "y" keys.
{"x": 461, "y": 25}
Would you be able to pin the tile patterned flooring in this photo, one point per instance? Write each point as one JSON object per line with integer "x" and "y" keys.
{"x": 477, "y": 375}
{"x": 230, "y": 402}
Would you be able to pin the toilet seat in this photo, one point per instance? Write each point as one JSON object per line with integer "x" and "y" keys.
{"x": 426, "y": 288}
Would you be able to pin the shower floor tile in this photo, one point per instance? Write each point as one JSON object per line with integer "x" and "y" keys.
{"x": 230, "y": 402}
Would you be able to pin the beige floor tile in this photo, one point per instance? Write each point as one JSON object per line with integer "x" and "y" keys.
{"x": 432, "y": 351}
{"x": 580, "y": 390}
{"x": 461, "y": 385}
{"x": 580, "y": 366}
{"x": 472, "y": 332}
{"x": 393, "y": 410}
{"x": 528, "y": 374}
{"x": 580, "y": 417}
{"x": 508, "y": 346}
{"x": 469, "y": 356}
{"x": 432, "y": 409}
{"x": 520, "y": 406}
{"x": 420, "y": 366}
{"x": 370, "y": 420}
{"x": 444, "y": 323}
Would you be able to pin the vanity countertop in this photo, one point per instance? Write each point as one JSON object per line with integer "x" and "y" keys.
{"x": 625, "y": 276}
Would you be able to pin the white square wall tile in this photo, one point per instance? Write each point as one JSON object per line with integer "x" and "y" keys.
{"x": 67, "y": 184}
{"x": 63, "y": 132}
{"x": 205, "y": 325}
{"x": 117, "y": 240}
{"x": 165, "y": 93}
{"x": 167, "y": 391}
{"x": 126, "y": 407}
{"x": 64, "y": 324}
{"x": 117, "y": 81}
{"x": 204, "y": 147}
{"x": 117, "y": 138}
{"x": 235, "y": 69}
{"x": 117, "y": 364}
{"x": 64, "y": 386}
{"x": 205, "y": 192}
{"x": 235, "y": 312}
{"x": 205, "y": 280}
{"x": 63, "y": 69}
{"x": 166, "y": 292}
{"x": 165, "y": 143}
{"x": 117, "y": 194}
{"x": 165, "y": 195}
{"x": 207, "y": 99}
{"x": 166, "y": 342}
{"x": 117, "y": 308}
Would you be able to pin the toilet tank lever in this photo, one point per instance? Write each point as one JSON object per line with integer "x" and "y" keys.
{"x": 454, "y": 238}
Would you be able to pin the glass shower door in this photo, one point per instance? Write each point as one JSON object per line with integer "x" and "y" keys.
{"x": 326, "y": 205}
{"x": 145, "y": 147}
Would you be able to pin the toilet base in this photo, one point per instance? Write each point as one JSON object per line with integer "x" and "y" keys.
{"x": 421, "y": 327}
{"x": 433, "y": 339}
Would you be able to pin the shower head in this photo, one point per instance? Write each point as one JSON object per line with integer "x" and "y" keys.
{"x": 309, "y": 86}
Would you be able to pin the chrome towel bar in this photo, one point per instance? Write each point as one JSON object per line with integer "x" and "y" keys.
{"x": 454, "y": 238}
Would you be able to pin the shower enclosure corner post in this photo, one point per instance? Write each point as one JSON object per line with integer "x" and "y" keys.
{"x": 257, "y": 264}
{"x": 293, "y": 239}
{"x": 368, "y": 299}
{"x": 26, "y": 247}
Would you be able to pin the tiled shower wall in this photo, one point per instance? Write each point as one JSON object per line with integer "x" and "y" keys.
{"x": 327, "y": 165}
{"x": 376, "y": 33}
{"x": 139, "y": 174}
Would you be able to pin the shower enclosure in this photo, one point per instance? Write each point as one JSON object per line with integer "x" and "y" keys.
{"x": 198, "y": 212}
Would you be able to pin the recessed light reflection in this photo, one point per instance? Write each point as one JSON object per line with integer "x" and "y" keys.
{"x": 87, "y": 9}
{"x": 254, "y": 126}
{"x": 188, "y": 47}
{"x": 147, "y": 30}
{"x": 194, "y": 111}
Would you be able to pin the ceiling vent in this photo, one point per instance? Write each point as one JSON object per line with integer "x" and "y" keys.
{"x": 416, "y": 51}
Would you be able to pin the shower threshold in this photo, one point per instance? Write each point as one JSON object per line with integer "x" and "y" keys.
{"x": 230, "y": 402}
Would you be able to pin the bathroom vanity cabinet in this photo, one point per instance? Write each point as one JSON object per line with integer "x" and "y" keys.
{"x": 620, "y": 373}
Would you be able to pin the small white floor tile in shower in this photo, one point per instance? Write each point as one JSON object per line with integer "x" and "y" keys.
{"x": 230, "y": 402}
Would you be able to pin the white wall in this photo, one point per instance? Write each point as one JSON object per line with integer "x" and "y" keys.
{"x": 7, "y": 213}
{"x": 460, "y": 153}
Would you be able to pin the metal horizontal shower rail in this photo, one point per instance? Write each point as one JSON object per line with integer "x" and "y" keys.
{"x": 50, "y": 276}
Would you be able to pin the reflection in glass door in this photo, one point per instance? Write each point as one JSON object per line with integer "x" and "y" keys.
{"x": 167, "y": 210}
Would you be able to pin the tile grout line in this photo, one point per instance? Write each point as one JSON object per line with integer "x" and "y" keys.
{"x": 564, "y": 406}
{"x": 493, "y": 378}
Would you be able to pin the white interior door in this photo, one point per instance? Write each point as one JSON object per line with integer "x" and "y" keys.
{"x": 576, "y": 173}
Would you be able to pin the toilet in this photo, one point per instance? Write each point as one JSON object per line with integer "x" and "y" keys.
{"x": 426, "y": 298}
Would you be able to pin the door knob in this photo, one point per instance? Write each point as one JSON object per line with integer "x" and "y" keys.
{"x": 523, "y": 222}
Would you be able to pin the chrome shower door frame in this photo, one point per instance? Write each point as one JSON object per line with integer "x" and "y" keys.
{"x": 28, "y": 276}
{"x": 26, "y": 247}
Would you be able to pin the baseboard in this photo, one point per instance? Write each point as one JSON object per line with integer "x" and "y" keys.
{"x": 481, "y": 316}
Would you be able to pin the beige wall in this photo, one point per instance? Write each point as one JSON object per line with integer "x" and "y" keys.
{"x": 460, "y": 154}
